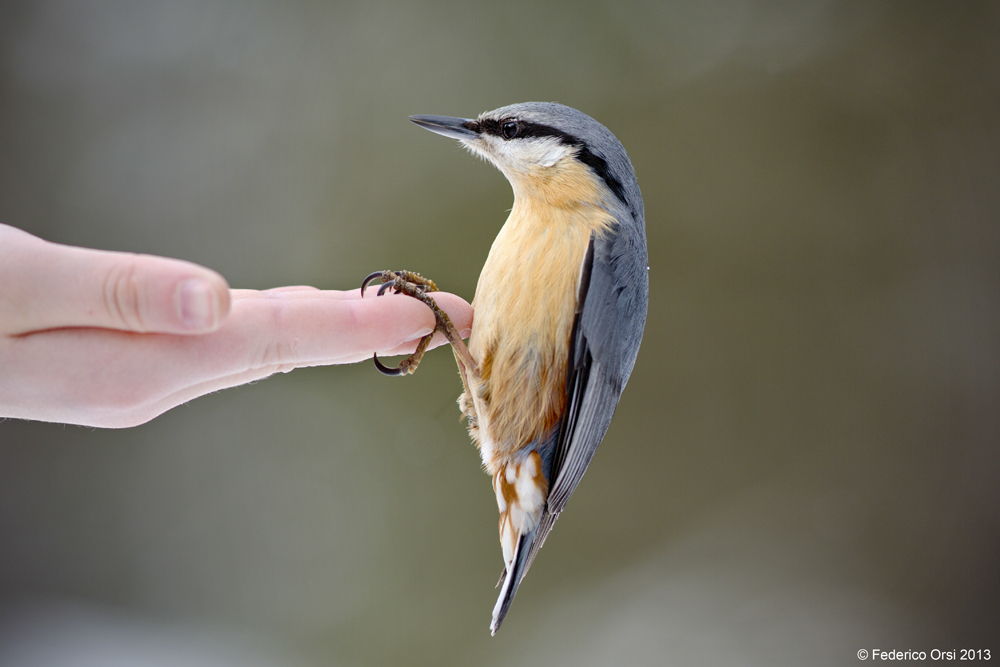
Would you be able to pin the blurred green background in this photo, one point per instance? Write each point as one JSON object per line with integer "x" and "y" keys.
{"x": 805, "y": 462}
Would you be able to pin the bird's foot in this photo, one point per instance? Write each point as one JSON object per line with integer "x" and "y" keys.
{"x": 416, "y": 286}
{"x": 406, "y": 282}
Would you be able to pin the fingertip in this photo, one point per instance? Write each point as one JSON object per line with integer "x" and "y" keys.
{"x": 458, "y": 309}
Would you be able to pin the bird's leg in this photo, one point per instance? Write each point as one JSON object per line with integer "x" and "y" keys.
{"x": 416, "y": 286}
{"x": 465, "y": 402}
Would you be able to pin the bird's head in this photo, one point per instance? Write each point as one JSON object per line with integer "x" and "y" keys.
{"x": 546, "y": 150}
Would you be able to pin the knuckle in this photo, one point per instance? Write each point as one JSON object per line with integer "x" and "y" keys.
{"x": 272, "y": 355}
{"x": 122, "y": 298}
{"x": 277, "y": 352}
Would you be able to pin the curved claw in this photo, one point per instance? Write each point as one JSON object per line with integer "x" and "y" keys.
{"x": 385, "y": 370}
{"x": 383, "y": 288}
{"x": 368, "y": 281}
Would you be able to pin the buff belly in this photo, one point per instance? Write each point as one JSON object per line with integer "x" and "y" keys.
{"x": 524, "y": 311}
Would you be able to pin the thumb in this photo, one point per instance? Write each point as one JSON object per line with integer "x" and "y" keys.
{"x": 49, "y": 286}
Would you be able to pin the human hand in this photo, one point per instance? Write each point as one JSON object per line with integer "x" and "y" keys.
{"x": 111, "y": 339}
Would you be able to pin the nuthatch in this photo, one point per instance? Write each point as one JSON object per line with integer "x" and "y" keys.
{"x": 559, "y": 313}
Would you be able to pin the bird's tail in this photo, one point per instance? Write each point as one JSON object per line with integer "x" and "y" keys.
{"x": 524, "y": 553}
{"x": 512, "y": 579}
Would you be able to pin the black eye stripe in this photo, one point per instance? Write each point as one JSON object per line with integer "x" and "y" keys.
{"x": 538, "y": 130}
{"x": 527, "y": 129}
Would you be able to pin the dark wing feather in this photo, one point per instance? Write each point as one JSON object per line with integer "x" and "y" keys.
{"x": 611, "y": 313}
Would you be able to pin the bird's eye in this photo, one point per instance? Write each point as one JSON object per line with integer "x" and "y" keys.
{"x": 509, "y": 129}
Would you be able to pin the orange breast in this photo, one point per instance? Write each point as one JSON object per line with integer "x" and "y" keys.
{"x": 525, "y": 304}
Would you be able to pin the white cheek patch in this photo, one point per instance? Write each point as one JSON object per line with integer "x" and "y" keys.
{"x": 520, "y": 154}
{"x": 533, "y": 152}
{"x": 478, "y": 148}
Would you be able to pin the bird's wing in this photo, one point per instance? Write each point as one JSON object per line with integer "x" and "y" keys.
{"x": 605, "y": 339}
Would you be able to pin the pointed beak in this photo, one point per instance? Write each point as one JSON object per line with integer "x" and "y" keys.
{"x": 456, "y": 128}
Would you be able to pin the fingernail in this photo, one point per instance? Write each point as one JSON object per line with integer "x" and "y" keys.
{"x": 465, "y": 333}
{"x": 197, "y": 304}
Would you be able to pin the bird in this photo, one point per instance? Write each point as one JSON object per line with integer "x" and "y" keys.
{"x": 559, "y": 313}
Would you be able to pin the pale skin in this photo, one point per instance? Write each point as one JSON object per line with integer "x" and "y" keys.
{"x": 110, "y": 339}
